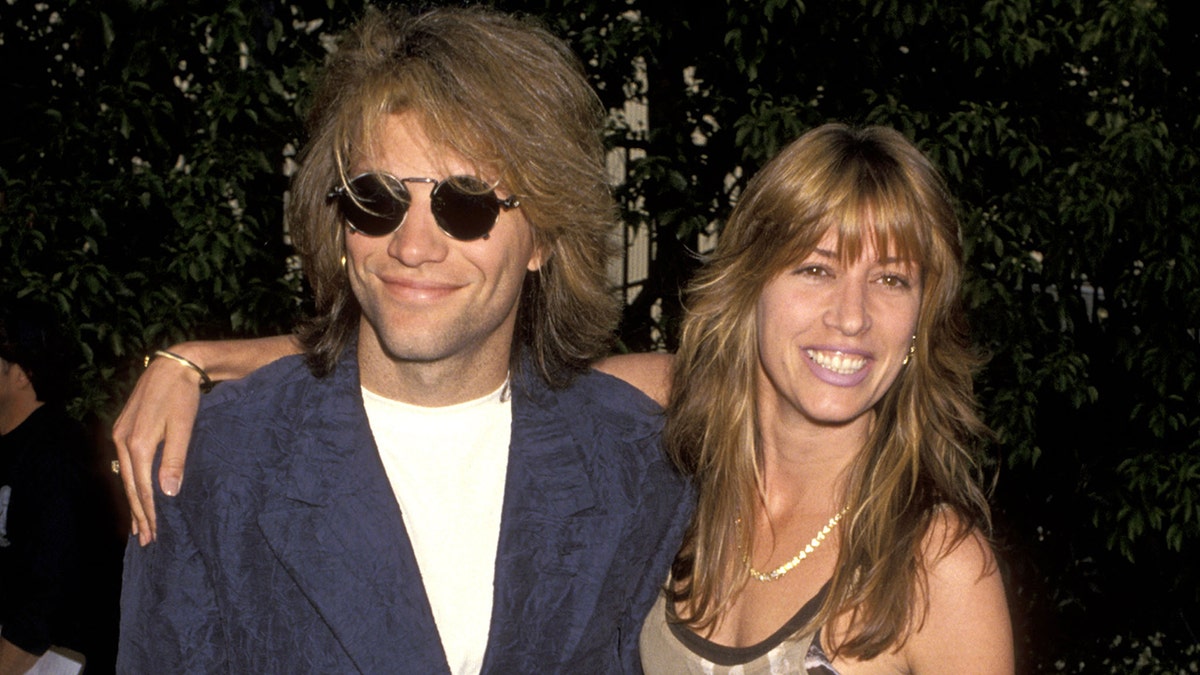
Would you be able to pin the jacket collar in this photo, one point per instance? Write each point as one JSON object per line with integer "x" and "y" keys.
{"x": 336, "y": 528}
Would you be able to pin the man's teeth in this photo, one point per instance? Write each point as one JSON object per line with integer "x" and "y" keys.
{"x": 842, "y": 364}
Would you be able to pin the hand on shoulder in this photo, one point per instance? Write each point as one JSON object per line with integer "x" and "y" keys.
{"x": 162, "y": 410}
{"x": 650, "y": 372}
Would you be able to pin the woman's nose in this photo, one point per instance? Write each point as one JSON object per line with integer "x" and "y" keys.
{"x": 848, "y": 311}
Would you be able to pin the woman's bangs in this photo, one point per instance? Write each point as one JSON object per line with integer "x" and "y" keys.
{"x": 889, "y": 224}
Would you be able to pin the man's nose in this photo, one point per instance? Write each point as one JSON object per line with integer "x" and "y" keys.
{"x": 419, "y": 240}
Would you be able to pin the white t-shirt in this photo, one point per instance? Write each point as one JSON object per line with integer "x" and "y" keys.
{"x": 447, "y": 467}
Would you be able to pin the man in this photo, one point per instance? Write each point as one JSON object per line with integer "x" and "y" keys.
{"x": 440, "y": 484}
{"x": 58, "y": 551}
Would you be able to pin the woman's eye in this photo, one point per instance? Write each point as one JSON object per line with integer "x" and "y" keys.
{"x": 812, "y": 270}
{"x": 894, "y": 281}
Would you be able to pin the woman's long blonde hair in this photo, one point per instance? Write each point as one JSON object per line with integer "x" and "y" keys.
{"x": 869, "y": 185}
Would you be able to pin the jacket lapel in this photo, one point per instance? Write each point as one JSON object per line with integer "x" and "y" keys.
{"x": 336, "y": 528}
{"x": 555, "y": 546}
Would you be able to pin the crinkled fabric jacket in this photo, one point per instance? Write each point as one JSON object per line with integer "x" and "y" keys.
{"x": 285, "y": 551}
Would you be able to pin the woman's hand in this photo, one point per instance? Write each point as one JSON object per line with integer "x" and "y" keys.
{"x": 162, "y": 409}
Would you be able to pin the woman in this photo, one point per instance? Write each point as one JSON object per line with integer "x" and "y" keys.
{"x": 822, "y": 401}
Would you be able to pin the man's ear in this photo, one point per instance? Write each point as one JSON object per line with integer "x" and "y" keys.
{"x": 16, "y": 376}
{"x": 539, "y": 258}
{"x": 22, "y": 377}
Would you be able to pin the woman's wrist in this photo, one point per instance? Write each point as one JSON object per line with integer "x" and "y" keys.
{"x": 234, "y": 359}
{"x": 205, "y": 382}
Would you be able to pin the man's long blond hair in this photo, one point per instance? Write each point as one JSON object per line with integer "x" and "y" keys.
{"x": 511, "y": 99}
{"x": 869, "y": 185}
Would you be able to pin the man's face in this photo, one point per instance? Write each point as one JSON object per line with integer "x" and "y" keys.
{"x": 428, "y": 298}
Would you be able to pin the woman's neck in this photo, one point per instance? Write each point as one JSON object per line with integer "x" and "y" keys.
{"x": 804, "y": 462}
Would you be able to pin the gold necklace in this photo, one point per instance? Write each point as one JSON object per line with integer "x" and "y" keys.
{"x": 787, "y": 566}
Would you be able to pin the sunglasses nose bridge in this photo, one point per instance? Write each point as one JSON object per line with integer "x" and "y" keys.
{"x": 419, "y": 239}
{"x": 420, "y": 200}
{"x": 433, "y": 183}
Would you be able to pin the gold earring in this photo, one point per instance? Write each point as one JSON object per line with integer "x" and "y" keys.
{"x": 912, "y": 349}
{"x": 343, "y": 262}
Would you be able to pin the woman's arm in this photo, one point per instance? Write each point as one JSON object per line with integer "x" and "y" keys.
{"x": 650, "y": 372}
{"x": 162, "y": 409}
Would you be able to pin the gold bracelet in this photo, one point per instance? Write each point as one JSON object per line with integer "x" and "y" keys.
{"x": 206, "y": 383}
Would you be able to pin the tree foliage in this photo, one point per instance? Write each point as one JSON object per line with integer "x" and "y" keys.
{"x": 143, "y": 174}
{"x": 142, "y": 178}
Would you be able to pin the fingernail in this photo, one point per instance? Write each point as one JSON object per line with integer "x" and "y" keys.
{"x": 170, "y": 486}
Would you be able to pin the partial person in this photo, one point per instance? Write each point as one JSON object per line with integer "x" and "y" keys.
{"x": 439, "y": 483}
{"x": 59, "y": 556}
{"x": 822, "y": 402}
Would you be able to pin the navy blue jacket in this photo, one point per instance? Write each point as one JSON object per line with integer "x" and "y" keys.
{"x": 285, "y": 551}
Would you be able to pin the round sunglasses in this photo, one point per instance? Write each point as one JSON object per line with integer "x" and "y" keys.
{"x": 464, "y": 207}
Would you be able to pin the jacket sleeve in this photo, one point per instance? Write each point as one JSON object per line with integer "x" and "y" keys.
{"x": 674, "y": 502}
{"x": 169, "y": 617}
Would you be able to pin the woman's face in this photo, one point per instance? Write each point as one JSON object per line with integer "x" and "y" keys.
{"x": 833, "y": 336}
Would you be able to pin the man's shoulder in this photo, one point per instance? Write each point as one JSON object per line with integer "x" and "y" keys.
{"x": 259, "y": 422}
{"x": 275, "y": 384}
{"x": 271, "y": 407}
{"x": 609, "y": 399}
{"x": 611, "y": 421}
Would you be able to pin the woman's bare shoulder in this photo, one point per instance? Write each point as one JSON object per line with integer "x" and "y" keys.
{"x": 650, "y": 372}
{"x": 966, "y": 623}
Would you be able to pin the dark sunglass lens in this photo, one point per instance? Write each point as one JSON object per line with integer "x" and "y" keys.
{"x": 465, "y": 207}
{"x": 375, "y": 204}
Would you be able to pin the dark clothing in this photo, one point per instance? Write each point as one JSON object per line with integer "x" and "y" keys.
{"x": 58, "y": 559}
{"x": 285, "y": 551}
